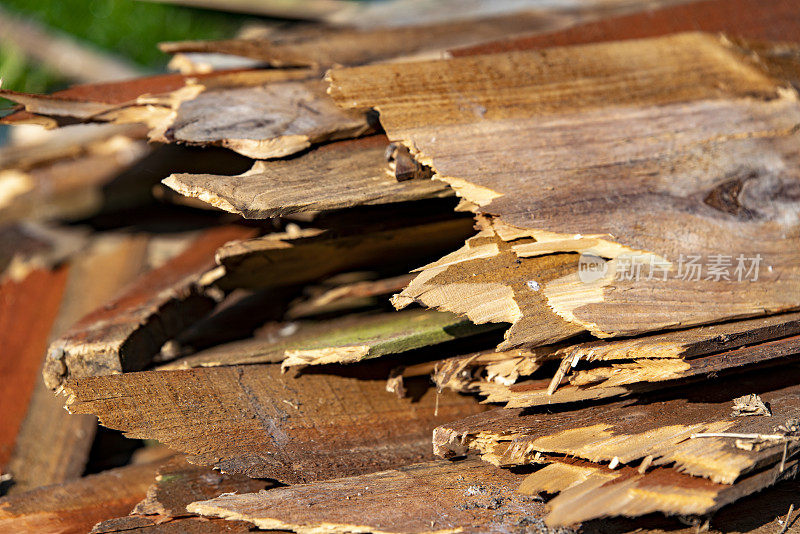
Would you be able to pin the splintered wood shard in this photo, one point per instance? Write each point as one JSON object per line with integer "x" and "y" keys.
{"x": 125, "y": 334}
{"x": 487, "y": 282}
{"x": 254, "y": 420}
{"x": 588, "y": 491}
{"x": 705, "y": 137}
{"x": 339, "y": 175}
{"x": 632, "y": 430}
{"x": 441, "y": 496}
{"x": 267, "y": 121}
{"x": 347, "y": 339}
{"x": 292, "y": 259}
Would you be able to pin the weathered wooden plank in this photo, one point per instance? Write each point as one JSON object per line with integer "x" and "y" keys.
{"x": 338, "y": 295}
{"x": 126, "y": 333}
{"x": 295, "y": 258}
{"x": 442, "y": 496}
{"x": 588, "y": 491}
{"x": 181, "y": 525}
{"x": 53, "y": 446}
{"x": 254, "y": 420}
{"x": 335, "y": 176}
{"x": 346, "y": 339}
{"x": 27, "y": 311}
{"x": 555, "y": 127}
{"x": 770, "y": 20}
{"x": 632, "y": 430}
{"x": 73, "y": 507}
{"x": 290, "y": 117}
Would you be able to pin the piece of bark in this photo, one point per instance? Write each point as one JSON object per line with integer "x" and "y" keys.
{"x": 486, "y": 281}
{"x": 348, "y": 339}
{"x": 710, "y": 189}
{"x": 253, "y": 420}
{"x": 347, "y": 296}
{"x": 53, "y": 446}
{"x": 336, "y": 176}
{"x": 631, "y": 430}
{"x": 770, "y": 20}
{"x": 588, "y": 491}
{"x": 295, "y": 258}
{"x": 125, "y": 334}
{"x": 27, "y": 311}
{"x": 442, "y": 496}
{"x": 73, "y": 507}
{"x": 181, "y": 525}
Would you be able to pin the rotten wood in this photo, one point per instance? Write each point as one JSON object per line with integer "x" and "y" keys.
{"x": 336, "y": 176}
{"x": 628, "y": 431}
{"x": 125, "y": 334}
{"x": 253, "y": 420}
{"x": 709, "y": 190}
{"x": 466, "y": 496}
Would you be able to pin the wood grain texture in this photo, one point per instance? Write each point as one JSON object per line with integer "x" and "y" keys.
{"x": 335, "y": 176}
{"x": 266, "y": 121}
{"x": 588, "y": 491}
{"x": 125, "y": 334}
{"x": 441, "y": 496}
{"x": 284, "y": 259}
{"x": 27, "y": 311}
{"x": 706, "y": 139}
{"x": 631, "y": 430}
{"x": 486, "y": 281}
{"x": 73, "y": 507}
{"x": 254, "y": 420}
{"x": 52, "y": 446}
{"x": 346, "y": 339}
{"x": 770, "y": 20}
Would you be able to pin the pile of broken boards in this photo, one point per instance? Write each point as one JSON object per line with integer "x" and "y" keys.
{"x": 607, "y": 216}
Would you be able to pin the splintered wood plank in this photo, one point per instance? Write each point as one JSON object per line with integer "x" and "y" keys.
{"x": 357, "y": 47}
{"x": 125, "y": 334}
{"x": 346, "y": 296}
{"x": 27, "y": 310}
{"x": 284, "y": 259}
{"x": 442, "y": 496}
{"x": 73, "y": 507}
{"x": 347, "y": 339}
{"x": 695, "y": 127}
{"x": 487, "y": 282}
{"x": 53, "y": 446}
{"x": 254, "y": 420}
{"x": 335, "y": 176}
{"x": 632, "y": 430}
{"x": 588, "y": 491}
{"x": 770, "y": 20}
{"x": 26, "y": 247}
{"x": 266, "y": 121}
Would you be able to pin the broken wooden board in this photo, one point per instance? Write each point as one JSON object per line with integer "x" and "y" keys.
{"x": 442, "y": 496}
{"x": 276, "y": 260}
{"x": 706, "y": 188}
{"x": 348, "y": 339}
{"x": 253, "y": 420}
{"x": 27, "y": 311}
{"x": 486, "y": 281}
{"x": 125, "y": 334}
{"x": 335, "y": 295}
{"x": 770, "y": 20}
{"x": 628, "y": 431}
{"x": 73, "y": 507}
{"x": 587, "y": 491}
{"x": 266, "y": 121}
{"x": 350, "y": 47}
{"x": 335, "y": 176}
{"x": 53, "y": 446}
{"x": 29, "y": 246}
